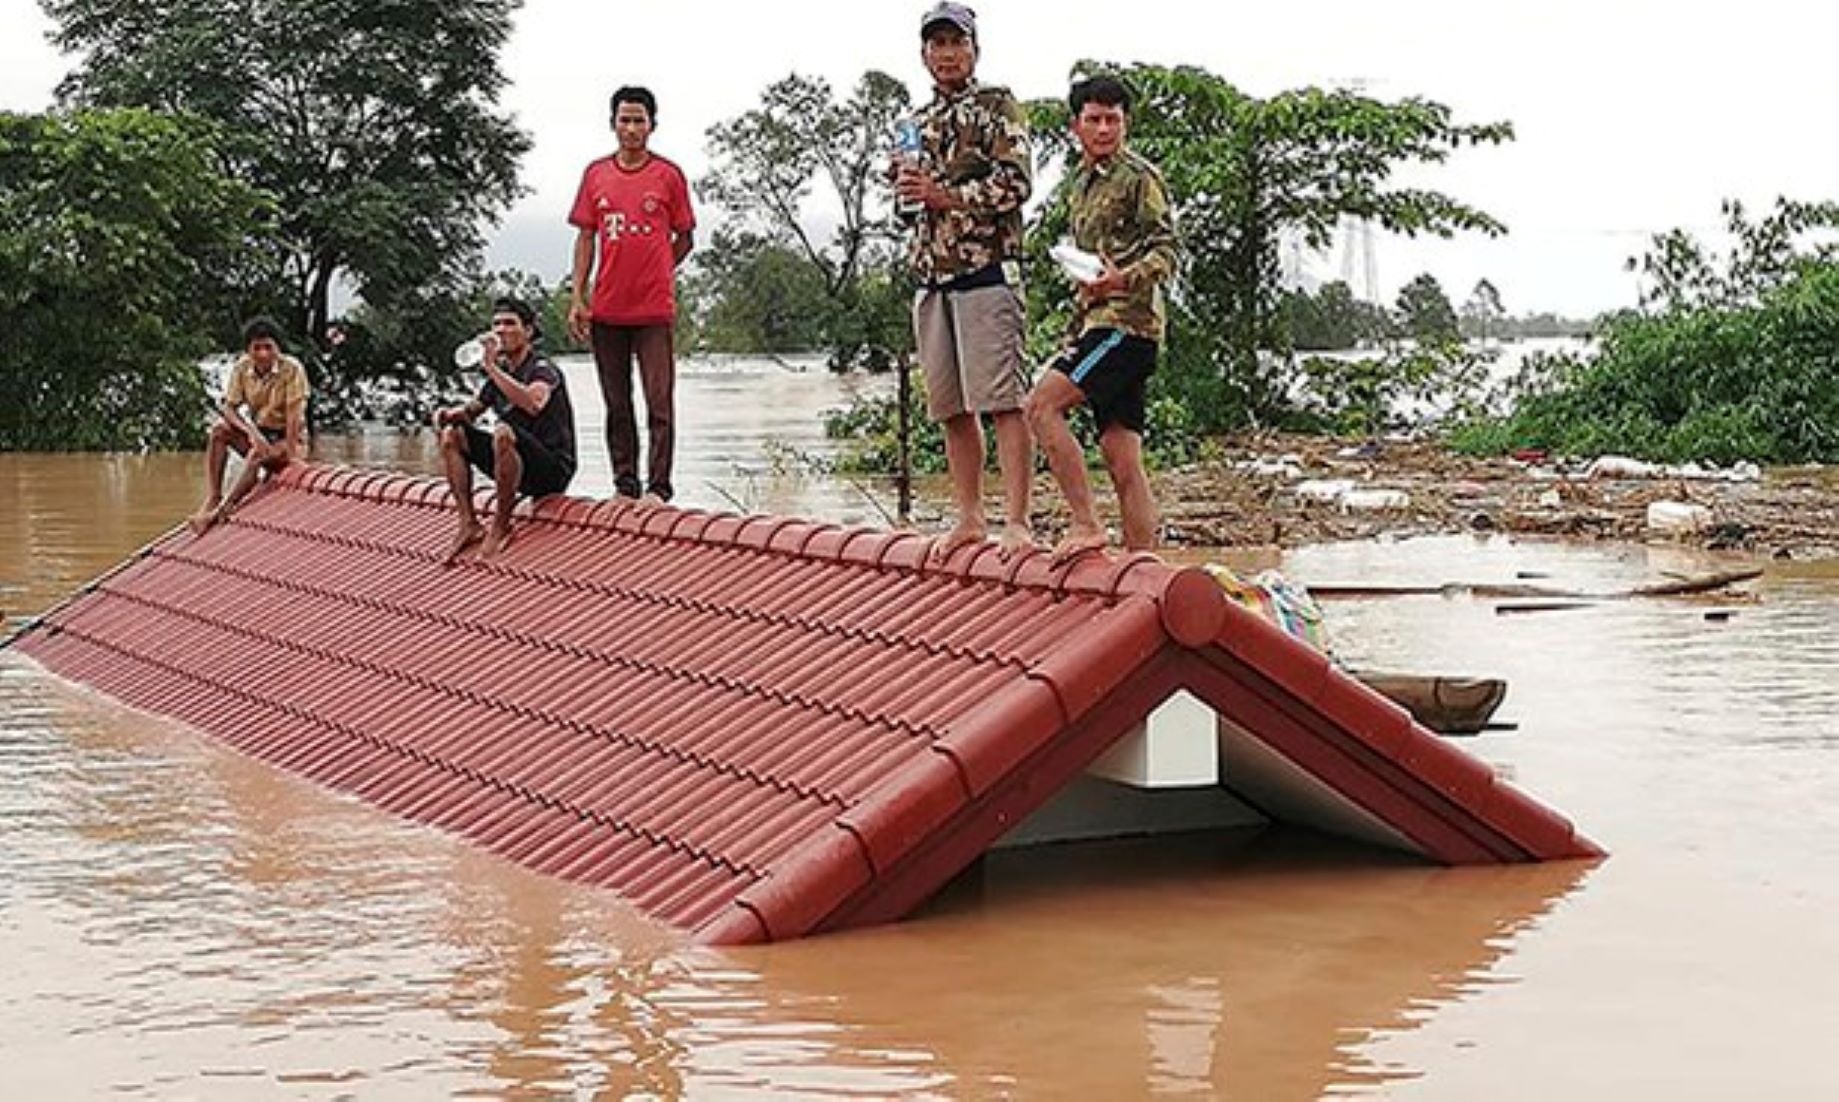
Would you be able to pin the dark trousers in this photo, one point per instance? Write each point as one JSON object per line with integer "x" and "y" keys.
{"x": 615, "y": 346}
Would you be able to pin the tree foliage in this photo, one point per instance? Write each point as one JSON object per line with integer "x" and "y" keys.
{"x": 366, "y": 369}
{"x": 122, "y": 251}
{"x": 800, "y": 161}
{"x": 1679, "y": 273}
{"x": 1733, "y": 359}
{"x": 750, "y": 293}
{"x": 1484, "y": 312}
{"x": 1331, "y": 319}
{"x": 1246, "y": 171}
{"x": 373, "y": 124}
{"x": 1424, "y": 312}
{"x": 1407, "y": 388}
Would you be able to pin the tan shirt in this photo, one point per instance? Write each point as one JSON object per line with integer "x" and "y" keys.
{"x": 270, "y": 396}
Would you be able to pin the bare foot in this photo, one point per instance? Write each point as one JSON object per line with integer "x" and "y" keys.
{"x": 962, "y": 536}
{"x": 1014, "y": 542}
{"x": 202, "y": 520}
{"x": 651, "y": 501}
{"x": 1077, "y": 542}
{"x": 495, "y": 542}
{"x": 469, "y": 534}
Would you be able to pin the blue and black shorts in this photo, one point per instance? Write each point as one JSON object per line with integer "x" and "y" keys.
{"x": 1112, "y": 368}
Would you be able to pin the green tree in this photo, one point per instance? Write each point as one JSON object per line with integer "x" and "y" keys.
{"x": 370, "y": 368}
{"x": 374, "y": 125}
{"x": 121, "y": 245}
{"x": 771, "y": 164}
{"x": 755, "y": 294}
{"x": 1400, "y": 388}
{"x": 1244, "y": 172}
{"x": 1424, "y": 312}
{"x": 1679, "y": 273}
{"x": 1732, "y": 358}
{"x": 1483, "y": 313}
{"x": 1331, "y": 319}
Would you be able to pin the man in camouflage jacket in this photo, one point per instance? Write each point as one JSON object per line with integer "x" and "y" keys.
{"x": 964, "y": 201}
{"x": 1120, "y": 213}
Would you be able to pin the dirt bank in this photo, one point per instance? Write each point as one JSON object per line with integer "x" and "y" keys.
{"x": 1287, "y": 491}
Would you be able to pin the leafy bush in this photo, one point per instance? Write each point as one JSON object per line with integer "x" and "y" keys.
{"x": 1406, "y": 387}
{"x": 1716, "y": 383}
{"x": 870, "y": 431}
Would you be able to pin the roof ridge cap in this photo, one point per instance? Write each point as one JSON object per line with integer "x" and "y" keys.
{"x": 1192, "y": 606}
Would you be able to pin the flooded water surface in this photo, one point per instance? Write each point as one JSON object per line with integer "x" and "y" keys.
{"x": 179, "y": 921}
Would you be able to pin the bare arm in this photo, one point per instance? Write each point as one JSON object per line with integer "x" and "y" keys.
{"x": 530, "y": 397}
{"x": 681, "y": 242}
{"x": 233, "y": 416}
{"x": 583, "y": 263}
{"x": 296, "y": 430}
{"x": 578, "y": 316}
{"x": 459, "y": 415}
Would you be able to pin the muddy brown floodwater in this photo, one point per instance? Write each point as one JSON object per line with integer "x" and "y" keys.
{"x": 178, "y": 921}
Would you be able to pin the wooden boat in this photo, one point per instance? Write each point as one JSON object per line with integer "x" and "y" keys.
{"x": 1446, "y": 705}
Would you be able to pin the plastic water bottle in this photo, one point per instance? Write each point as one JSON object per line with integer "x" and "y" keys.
{"x": 471, "y": 354}
{"x": 907, "y": 147}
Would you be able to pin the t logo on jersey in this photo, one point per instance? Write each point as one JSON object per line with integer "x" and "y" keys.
{"x": 612, "y": 223}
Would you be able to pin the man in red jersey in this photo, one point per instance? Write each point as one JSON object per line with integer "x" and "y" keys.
{"x": 635, "y": 206}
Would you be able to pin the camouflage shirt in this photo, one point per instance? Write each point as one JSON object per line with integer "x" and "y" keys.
{"x": 975, "y": 144}
{"x": 1120, "y": 209}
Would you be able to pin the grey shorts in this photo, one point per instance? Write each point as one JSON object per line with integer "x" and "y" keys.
{"x": 970, "y": 346}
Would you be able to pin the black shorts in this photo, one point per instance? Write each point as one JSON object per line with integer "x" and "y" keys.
{"x": 545, "y": 471}
{"x": 1112, "y": 368}
{"x": 273, "y": 436}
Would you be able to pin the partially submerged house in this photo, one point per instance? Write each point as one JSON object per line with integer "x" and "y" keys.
{"x": 755, "y": 728}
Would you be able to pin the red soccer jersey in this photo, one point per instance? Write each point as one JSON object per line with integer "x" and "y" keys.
{"x": 634, "y": 212}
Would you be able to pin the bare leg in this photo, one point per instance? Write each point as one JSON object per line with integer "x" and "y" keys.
{"x": 964, "y": 459}
{"x": 1015, "y": 458}
{"x": 1048, "y": 404}
{"x": 460, "y": 481}
{"x": 245, "y": 482}
{"x": 1124, "y": 458}
{"x": 507, "y": 476}
{"x": 216, "y": 457}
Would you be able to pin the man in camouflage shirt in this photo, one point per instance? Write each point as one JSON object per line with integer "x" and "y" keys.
{"x": 1121, "y": 213}
{"x": 964, "y": 199}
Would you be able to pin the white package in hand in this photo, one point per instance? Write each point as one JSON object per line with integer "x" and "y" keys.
{"x": 1080, "y": 266}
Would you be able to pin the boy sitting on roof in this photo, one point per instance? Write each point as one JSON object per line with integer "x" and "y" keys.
{"x": 273, "y": 388}
{"x": 531, "y": 450}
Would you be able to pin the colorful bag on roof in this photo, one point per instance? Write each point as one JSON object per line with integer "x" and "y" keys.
{"x": 1277, "y": 599}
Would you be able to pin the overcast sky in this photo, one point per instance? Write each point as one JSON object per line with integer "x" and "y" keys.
{"x": 1633, "y": 116}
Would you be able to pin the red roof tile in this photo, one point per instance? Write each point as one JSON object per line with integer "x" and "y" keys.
{"x": 751, "y": 727}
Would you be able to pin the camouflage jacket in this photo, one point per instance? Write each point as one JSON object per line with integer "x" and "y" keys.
{"x": 1120, "y": 209}
{"x": 975, "y": 144}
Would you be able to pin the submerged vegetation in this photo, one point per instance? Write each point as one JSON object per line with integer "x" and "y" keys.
{"x": 1728, "y": 359}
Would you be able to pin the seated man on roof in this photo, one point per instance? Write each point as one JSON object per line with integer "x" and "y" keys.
{"x": 531, "y": 449}
{"x": 272, "y": 388}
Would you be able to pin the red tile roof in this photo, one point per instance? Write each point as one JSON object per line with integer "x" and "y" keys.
{"x": 751, "y": 727}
